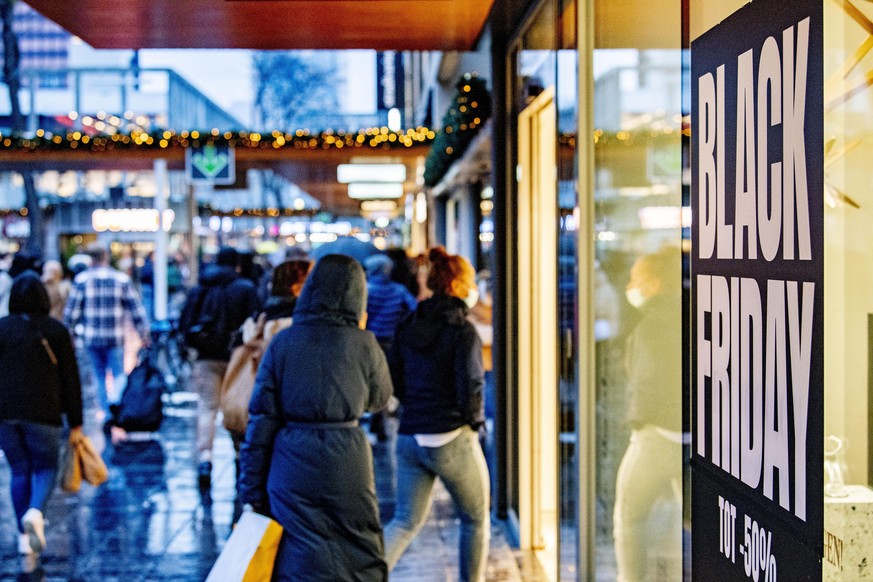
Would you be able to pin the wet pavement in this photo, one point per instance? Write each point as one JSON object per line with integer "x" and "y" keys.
{"x": 150, "y": 522}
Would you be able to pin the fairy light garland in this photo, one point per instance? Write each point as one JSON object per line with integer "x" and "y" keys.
{"x": 258, "y": 212}
{"x": 373, "y": 138}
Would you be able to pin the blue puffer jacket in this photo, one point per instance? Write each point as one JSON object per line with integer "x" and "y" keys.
{"x": 436, "y": 367}
{"x": 301, "y": 461}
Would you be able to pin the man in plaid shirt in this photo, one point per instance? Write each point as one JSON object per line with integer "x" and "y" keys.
{"x": 95, "y": 310}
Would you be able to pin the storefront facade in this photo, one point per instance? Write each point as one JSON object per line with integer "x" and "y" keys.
{"x": 593, "y": 244}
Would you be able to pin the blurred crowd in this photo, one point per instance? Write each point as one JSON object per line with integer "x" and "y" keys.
{"x": 344, "y": 345}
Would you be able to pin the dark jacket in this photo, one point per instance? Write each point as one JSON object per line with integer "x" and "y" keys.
{"x": 387, "y": 304}
{"x": 280, "y": 307}
{"x": 318, "y": 482}
{"x": 436, "y": 368}
{"x": 32, "y": 387}
{"x": 239, "y": 300}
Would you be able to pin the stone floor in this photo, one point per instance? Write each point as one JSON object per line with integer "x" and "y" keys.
{"x": 149, "y": 522}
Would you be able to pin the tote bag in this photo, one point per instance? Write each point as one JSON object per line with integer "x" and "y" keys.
{"x": 250, "y": 552}
{"x": 238, "y": 384}
{"x": 239, "y": 379}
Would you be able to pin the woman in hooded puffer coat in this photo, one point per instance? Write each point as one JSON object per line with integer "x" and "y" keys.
{"x": 305, "y": 461}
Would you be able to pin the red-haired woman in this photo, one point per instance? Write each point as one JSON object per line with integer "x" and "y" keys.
{"x": 436, "y": 367}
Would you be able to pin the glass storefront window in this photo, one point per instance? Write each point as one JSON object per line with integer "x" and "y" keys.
{"x": 638, "y": 226}
{"x": 546, "y": 105}
{"x": 848, "y": 130}
{"x": 848, "y": 329}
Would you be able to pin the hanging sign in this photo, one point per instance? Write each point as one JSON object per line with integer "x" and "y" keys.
{"x": 210, "y": 164}
{"x": 757, "y": 295}
{"x": 389, "y": 71}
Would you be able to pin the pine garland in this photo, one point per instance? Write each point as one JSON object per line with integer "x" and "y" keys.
{"x": 461, "y": 123}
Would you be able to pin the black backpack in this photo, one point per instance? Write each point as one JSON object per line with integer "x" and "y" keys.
{"x": 209, "y": 331}
{"x": 140, "y": 407}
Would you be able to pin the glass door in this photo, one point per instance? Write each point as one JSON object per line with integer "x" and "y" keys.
{"x": 538, "y": 369}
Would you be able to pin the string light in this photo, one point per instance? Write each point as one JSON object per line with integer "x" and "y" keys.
{"x": 379, "y": 138}
{"x": 259, "y": 212}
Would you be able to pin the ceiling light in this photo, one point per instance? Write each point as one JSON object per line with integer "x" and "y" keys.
{"x": 370, "y": 191}
{"x": 348, "y": 173}
{"x": 378, "y": 205}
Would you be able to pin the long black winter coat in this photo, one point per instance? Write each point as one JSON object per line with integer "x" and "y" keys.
{"x": 314, "y": 475}
{"x": 436, "y": 365}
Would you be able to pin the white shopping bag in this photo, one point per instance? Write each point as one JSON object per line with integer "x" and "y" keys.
{"x": 250, "y": 551}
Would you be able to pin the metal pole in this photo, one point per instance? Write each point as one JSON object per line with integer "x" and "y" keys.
{"x": 194, "y": 254}
{"x": 161, "y": 236}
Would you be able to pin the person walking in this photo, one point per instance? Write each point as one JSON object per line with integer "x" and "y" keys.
{"x": 39, "y": 385}
{"x": 256, "y": 334}
{"x": 388, "y": 302}
{"x": 436, "y": 368}
{"x": 305, "y": 461}
{"x": 287, "y": 282}
{"x": 56, "y": 286}
{"x": 100, "y": 299}
{"x": 214, "y": 309}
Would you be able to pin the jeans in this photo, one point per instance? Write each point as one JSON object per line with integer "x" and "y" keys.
{"x": 460, "y": 465}
{"x": 32, "y": 450}
{"x": 206, "y": 377}
{"x": 103, "y": 359}
{"x": 148, "y": 300}
{"x": 650, "y": 472}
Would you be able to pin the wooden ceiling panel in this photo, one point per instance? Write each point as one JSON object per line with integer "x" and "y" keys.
{"x": 279, "y": 24}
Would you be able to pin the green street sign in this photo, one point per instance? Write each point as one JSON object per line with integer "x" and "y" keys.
{"x": 210, "y": 164}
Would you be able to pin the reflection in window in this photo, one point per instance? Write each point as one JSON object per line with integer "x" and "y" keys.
{"x": 638, "y": 313}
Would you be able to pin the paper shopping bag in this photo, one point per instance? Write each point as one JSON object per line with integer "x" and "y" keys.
{"x": 250, "y": 551}
{"x": 93, "y": 468}
{"x": 71, "y": 470}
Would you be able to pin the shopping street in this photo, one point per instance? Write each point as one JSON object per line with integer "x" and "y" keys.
{"x": 150, "y": 522}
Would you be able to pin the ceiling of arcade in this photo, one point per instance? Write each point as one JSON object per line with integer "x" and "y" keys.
{"x": 443, "y": 25}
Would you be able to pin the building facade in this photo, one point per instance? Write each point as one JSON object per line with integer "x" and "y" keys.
{"x": 595, "y": 353}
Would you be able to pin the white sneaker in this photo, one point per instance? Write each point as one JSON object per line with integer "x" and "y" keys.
{"x": 24, "y": 545}
{"x": 34, "y": 526}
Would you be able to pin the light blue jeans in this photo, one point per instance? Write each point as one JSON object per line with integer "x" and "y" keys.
{"x": 650, "y": 473}
{"x": 461, "y": 467}
{"x": 105, "y": 358}
{"x": 32, "y": 450}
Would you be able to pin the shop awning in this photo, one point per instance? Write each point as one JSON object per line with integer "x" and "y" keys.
{"x": 279, "y": 24}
